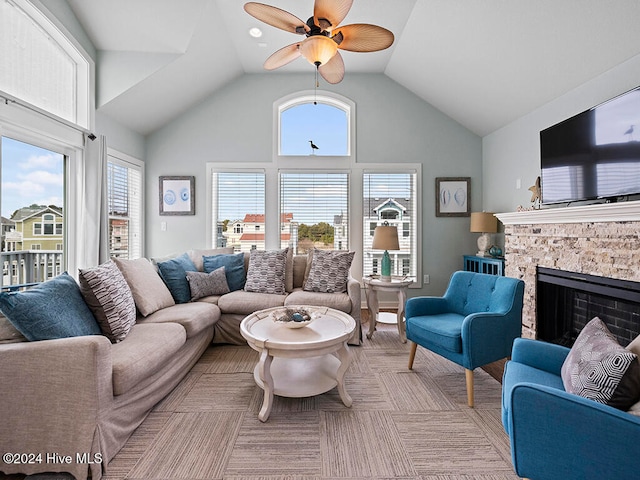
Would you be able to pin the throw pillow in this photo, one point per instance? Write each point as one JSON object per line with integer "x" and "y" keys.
{"x": 196, "y": 255}
{"x": 598, "y": 368}
{"x": 9, "y": 333}
{"x": 109, "y": 298}
{"x": 149, "y": 291}
{"x": 233, "y": 268}
{"x": 174, "y": 274}
{"x": 329, "y": 271}
{"x": 206, "y": 284}
{"x": 52, "y": 309}
{"x": 266, "y": 272}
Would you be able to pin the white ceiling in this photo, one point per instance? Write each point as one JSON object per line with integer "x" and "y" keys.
{"x": 483, "y": 63}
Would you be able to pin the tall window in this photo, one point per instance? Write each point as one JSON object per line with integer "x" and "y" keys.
{"x": 391, "y": 198}
{"x": 32, "y": 202}
{"x": 124, "y": 198}
{"x": 39, "y": 65}
{"x": 314, "y": 210}
{"x": 238, "y": 200}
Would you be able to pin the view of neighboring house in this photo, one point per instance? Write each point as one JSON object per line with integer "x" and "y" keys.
{"x": 249, "y": 233}
{"x": 36, "y": 228}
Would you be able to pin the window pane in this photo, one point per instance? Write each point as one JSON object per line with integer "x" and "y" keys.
{"x": 391, "y": 198}
{"x": 28, "y": 54}
{"x": 324, "y": 125}
{"x": 124, "y": 200}
{"x": 238, "y": 210}
{"x": 32, "y": 200}
{"x": 313, "y": 211}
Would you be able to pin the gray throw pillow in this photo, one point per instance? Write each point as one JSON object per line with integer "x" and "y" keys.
{"x": 109, "y": 298}
{"x": 266, "y": 272}
{"x": 598, "y": 368}
{"x": 207, "y": 284}
{"x": 329, "y": 271}
{"x": 149, "y": 291}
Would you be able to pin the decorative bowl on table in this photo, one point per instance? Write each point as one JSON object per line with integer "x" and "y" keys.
{"x": 295, "y": 317}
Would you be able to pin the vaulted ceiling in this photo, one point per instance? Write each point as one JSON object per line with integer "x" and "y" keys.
{"x": 483, "y": 63}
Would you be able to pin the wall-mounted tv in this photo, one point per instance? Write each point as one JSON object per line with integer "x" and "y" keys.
{"x": 593, "y": 155}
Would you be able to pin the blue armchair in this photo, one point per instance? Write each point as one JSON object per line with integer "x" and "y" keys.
{"x": 473, "y": 324}
{"x": 557, "y": 435}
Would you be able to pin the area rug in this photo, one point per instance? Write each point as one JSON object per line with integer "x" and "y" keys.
{"x": 409, "y": 424}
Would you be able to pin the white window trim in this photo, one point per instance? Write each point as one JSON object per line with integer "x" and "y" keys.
{"x": 124, "y": 160}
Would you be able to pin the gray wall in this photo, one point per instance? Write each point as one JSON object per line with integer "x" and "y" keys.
{"x": 514, "y": 151}
{"x": 392, "y": 125}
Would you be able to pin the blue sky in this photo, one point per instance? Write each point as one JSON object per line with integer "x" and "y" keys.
{"x": 30, "y": 175}
{"x": 324, "y": 124}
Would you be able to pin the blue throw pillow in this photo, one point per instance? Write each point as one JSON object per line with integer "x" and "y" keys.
{"x": 174, "y": 274}
{"x": 53, "y": 309}
{"x": 233, "y": 264}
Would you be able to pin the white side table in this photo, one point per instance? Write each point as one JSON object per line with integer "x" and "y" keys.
{"x": 375, "y": 285}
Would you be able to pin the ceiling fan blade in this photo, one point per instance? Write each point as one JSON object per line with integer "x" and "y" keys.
{"x": 333, "y": 70}
{"x": 329, "y": 13}
{"x": 276, "y": 17}
{"x": 362, "y": 37}
{"x": 283, "y": 56}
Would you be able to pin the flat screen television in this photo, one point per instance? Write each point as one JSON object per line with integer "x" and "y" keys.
{"x": 593, "y": 155}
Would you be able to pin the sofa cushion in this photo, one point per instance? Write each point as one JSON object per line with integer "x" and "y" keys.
{"x": 339, "y": 301}
{"x": 149, "y": 291}
{"x": 248, "y": 302}
{"x": 203, "y": 284}
{"x": 197, "y": 254}
{"x": 174, "y": 275}
{"x": 147, "y": 349}
{"x": 9, "y": 333}
{"x": 266, "y": 272}
{"x": 233, "y": 268}
{"x": 52, "y": 309}
{"x": 109, "y": 298}
{"x": 598, "y": 368}
{"x": 194, "y": 317}
{"x": 329, "y": 271}
{"x": 299, "y": 270}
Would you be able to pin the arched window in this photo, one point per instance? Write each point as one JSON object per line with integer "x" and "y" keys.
{"x": 33, "y": 49}
{"x": 315, "y": 124}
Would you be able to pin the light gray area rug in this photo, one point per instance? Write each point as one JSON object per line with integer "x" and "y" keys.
{"x": 403, "y": 424}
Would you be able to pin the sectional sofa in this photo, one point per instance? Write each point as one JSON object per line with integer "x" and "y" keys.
{"x": 103, "y": 352}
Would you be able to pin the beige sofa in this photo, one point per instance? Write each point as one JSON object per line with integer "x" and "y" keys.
{"x": 84, "y": 396}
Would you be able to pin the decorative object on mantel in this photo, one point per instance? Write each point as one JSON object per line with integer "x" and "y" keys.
{"x": 177, "y": 195}
{"x": 535, "y": 193}
{"x": 484, "y": 223}
{"x": 453, "y": 197}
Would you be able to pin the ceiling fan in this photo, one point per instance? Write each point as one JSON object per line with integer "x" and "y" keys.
{"x": 323, "y": 36}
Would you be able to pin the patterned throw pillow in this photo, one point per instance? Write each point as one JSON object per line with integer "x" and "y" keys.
{"x": 598, "y": 368}
{"x": 329, "y": 271}
{"x": 266, "y": 272}
{"x": 109, "y": 298}
{"x": 207, "y": 284}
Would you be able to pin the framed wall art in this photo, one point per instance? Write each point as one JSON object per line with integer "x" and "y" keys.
{"x": 453, "y": 197}
{"x": 177, "y": 195}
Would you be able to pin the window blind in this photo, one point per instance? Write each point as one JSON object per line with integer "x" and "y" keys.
{"x": 314, "y": 208}
{"x": 391, "y": 197}
{"x": 124, "y": 201}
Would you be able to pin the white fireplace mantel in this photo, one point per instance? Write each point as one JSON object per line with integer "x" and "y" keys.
{"x": 603, "y": 212}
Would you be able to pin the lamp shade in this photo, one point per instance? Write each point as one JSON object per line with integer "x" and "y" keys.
{"x": 318, "y": 49}
{"x": 483, "y": 222}
{"x": 385, "y": 237}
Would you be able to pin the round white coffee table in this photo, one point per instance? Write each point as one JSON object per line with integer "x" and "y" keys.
{"x": 299, "y": 362}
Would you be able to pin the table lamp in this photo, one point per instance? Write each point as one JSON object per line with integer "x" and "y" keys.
{"x": 484, "y": 223}
{"x": 385, "y": 237}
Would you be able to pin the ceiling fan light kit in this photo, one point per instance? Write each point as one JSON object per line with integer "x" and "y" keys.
{"x": 321, "y": 46}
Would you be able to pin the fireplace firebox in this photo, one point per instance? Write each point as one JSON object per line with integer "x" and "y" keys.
{"x": 566, "y": 301}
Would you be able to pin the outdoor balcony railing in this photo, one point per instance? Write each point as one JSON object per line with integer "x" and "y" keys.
{"x": 24, "y": 268}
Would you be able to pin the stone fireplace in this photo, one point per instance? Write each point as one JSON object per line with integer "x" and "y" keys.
{"x": 601, "y": 240}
